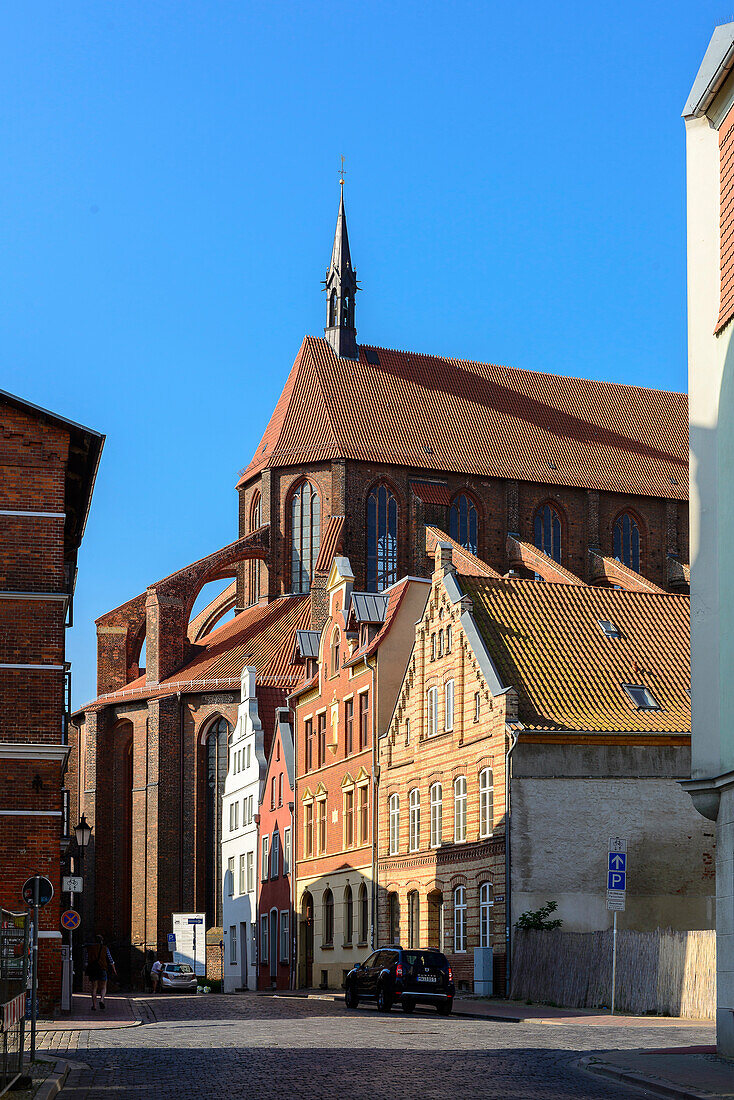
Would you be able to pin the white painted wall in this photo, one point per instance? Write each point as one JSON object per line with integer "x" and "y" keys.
{"x": 244, "y": 782}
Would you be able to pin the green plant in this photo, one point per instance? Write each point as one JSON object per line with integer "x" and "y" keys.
{"x": 538, "y": 918}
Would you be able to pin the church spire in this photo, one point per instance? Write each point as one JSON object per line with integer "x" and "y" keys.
{"x": 341, "y": 287}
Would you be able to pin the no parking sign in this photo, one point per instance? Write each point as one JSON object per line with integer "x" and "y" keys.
{"x": 70, "y": 920}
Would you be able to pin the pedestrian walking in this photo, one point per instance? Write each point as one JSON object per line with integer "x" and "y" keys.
{"x": 155, "y": 974}
{"x": 97, "y": 960}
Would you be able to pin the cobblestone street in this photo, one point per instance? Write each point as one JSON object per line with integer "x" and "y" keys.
{"x": 249, "y": 1045}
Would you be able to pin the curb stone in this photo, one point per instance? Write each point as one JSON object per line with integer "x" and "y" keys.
{"x": 56, "y": 1079}
{"x": 655, "y": 1085}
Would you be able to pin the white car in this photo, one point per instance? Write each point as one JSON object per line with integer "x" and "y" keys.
{"x": 178, "y": 978}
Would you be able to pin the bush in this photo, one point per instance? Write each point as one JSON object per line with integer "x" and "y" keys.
{"x": 537, "y": 919}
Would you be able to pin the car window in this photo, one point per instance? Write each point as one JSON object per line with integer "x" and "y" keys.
{"x": 371, "y": 960}
{"x": 387, "y": 958}
{"x": 425, "y": 959}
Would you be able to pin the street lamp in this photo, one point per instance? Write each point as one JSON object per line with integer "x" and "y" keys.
{"x": 83, "y": 833}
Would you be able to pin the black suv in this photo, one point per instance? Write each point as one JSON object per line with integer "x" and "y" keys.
{"x": 409, "y": 976}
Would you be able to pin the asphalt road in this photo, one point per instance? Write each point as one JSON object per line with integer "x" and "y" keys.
{"x": 254, "y": 1046}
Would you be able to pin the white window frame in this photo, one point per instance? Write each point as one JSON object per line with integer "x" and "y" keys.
{"x": 393, "y": 804}
{"x": 287, "y": 853}
{"x": 285, "y": 945}
{"x": 486, "y": 901}
{"x": 460, "y": 800}
{"x": 431, "y": 711}
{"x": 233, "y": 944}
{"x": 243, "y": 877}
{"x": 414, "y": 820}
{"x": 264, "y": 868}
{"x": 275, "y": 856}
{"x": 230, "y": 872}
{"x": 486, "y": 803}
{"x": 250, "y": 871}
{"x": 460, "y": 920}
{"x": 436, "y": 800}
{"x": 449, "y": 705}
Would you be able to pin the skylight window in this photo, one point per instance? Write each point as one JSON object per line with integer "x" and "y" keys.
{"x": 608, "y": 629}
{"x": 641, "y": 696}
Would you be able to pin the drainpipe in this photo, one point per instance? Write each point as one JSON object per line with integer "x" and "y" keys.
{"x": 375, "y": 780}
{"x": 508, "y": 864}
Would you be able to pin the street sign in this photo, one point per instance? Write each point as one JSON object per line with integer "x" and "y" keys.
{"x": 172, "y": 940}
{"x": 195, "y": 920}
{"x": 616, "y": 873}
{"x": 45, "y": 890}
{"x": 72, "y": 884}
{"x": 70, "y": 920}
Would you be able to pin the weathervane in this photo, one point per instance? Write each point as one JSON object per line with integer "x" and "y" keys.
{"x": 341, "y": 173}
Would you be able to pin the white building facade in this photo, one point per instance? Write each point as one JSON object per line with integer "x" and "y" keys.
{"x": 709, "y": 120}
{"x": 243, "y": 790}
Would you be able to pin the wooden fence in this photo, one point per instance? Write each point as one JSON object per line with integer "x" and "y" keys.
{"x": 665, "y": 972}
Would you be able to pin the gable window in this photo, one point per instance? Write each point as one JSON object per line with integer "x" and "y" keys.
{"x": 335, "y": 652}
{"x": 463, "y": 523}
{"x": 407, "y": 731}
{"x": 449, "y": 699}
{"x": 305, "y": 535}
{"x": 308, "y": 737}
{"x": 382, "y": 539}
{"x": 273, "y": 784}
{"x": 440, "y": 643}
{"x": 548, "y": 531}
{"x": 641, "y": 696}
{"x": 308, "y": 829}
{"x": 486, "y": 800}
{"x": 327, "y": 937}
{"x": 348, "y": 726}
{"x": 414, "y": 820}
{"x": 280, "y": 789}
{"x": 394, "y": 820}
{"x": 448, "y": 638}
{"x": 460, "y": 919}
{"x": 477, "y": 704}
{"x": 627, "y": 541}
{"x": 433, "y": 647}
{"x": 460, "y": 809}
{"x": 486, "y": 901}
{"x": 431, "y": 711}
{"x": 349, "y": 817}
{"x": 436, "y": 814}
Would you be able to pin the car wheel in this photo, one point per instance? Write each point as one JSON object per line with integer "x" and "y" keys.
{"x": 407, "y": 1004}
{"x": 384, "y": 1000}
{"x": 445, "y": 1008}
{"x": 351, "y": 1000}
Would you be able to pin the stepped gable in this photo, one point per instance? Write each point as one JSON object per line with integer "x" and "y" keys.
{"x": 546, "y": 641}
{"x": 452, "y": 415}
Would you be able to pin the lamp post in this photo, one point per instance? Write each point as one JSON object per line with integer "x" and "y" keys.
{"x": 83, "y": 834}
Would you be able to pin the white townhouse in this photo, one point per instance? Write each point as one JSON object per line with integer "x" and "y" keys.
{"x": 243, "y": 790}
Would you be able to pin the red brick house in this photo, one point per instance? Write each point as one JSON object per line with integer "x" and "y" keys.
{"x": 276, "y": 930}
{"x": 49, "y": 465}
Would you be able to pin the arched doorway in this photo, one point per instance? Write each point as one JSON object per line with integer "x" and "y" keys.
{"x": 305, "y": 943}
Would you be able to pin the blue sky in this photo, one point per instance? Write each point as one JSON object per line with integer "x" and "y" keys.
{"x": 515, "y": 193}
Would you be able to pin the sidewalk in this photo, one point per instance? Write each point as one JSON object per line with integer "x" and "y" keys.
{"x": 688, "y": 1073}
{"x": 118, "y": 1013}
{"x": 517, "y": 1012}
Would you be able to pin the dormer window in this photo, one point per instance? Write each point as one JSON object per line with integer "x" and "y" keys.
{"x": 641, "y": 696}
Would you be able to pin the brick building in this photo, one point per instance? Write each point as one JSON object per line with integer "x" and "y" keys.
{"x": 537, "y": 718}
{"x": 365, "y": 448}
{"x": 356, "y": 663}
{"x": 276, "y": 869}
{"x": 49, "y": 466}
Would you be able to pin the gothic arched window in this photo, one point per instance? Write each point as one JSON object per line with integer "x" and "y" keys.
{"x": 305, "y": 535}
{"x": 217, "y": 738}
{"x": 254, "y": 564}
{"x": 382, "y": 539}
{"x": 548, "y": 531}
{"x": 332, "y": 309}
{"x": 346, "y": 310}
{"x": 327, "y": 929}
{"x": 627, "y": 541}
{"x": 464, "y": 523}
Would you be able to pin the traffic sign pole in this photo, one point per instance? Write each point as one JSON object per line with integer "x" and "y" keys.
{"x": 614, "y": 959}
{"x": 34, "y": 965}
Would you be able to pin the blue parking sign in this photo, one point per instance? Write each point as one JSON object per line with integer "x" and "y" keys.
{"x": 617, "y": 861}
{"x": 616, "y": 880}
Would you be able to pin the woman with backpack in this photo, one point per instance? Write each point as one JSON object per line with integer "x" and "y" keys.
{"x": 97, "y": 961}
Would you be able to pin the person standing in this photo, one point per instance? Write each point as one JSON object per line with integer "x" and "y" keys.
{"x": 155, "y": 974}
{"x": 97, "y": 960}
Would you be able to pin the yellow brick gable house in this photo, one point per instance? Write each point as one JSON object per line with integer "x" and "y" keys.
{"x": 537, "y": 717}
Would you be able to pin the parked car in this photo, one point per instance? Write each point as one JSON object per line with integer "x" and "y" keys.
{"x": 411, "y": 976}
{"x": 178, "y": 977}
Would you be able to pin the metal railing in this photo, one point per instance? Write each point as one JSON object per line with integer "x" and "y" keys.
{"x": 14, "y": 952}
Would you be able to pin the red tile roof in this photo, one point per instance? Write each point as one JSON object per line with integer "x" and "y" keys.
{"x": 262, "y": 636}
{"x": 545, "y": 641}
{"x": 330, "y": 543}
{"x": 431, "y": 493}
{"x": 618, "y": 574}
{"x": 464, "y": 560}
{"x": 524, "y": 553}
{"x": 452, "y": 415}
